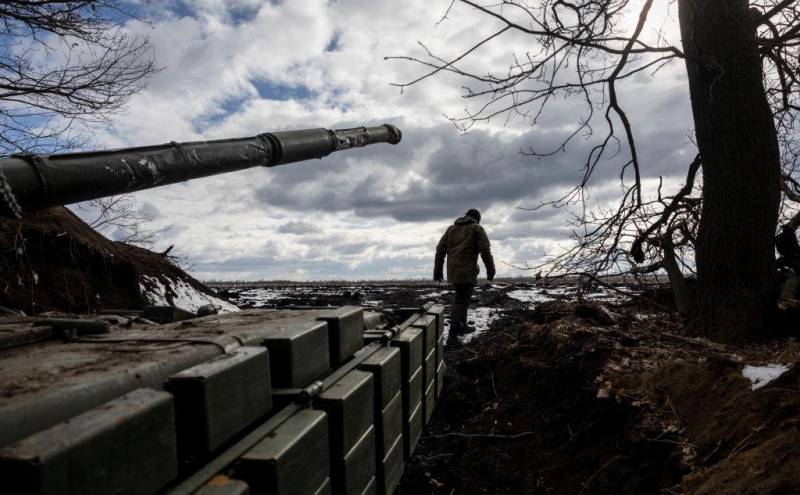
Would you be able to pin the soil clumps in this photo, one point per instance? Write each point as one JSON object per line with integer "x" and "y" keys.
{"x": 572, "y": 399}
{"x": 52, "y": 261}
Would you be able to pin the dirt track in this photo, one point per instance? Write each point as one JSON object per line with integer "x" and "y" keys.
{"x": 574, "y": 406}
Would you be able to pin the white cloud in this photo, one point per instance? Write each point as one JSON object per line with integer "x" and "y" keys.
{"x": 240, "y": 68}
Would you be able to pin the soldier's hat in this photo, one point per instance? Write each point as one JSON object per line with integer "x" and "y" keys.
{"x": 473, "y": 213}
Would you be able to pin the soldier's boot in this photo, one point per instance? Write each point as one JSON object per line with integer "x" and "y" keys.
{"x": 452, "y": 335}
{"x": 458, "y": 320}
{"x": 455, "y": 325}
{"x": 459, "y": 313}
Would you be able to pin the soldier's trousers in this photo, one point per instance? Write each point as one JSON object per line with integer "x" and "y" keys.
{"x": 463, "y": 294}
{"x": 458, "y": 310}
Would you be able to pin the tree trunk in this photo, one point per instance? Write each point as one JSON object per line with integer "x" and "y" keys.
{"x": 680, "y": 291}
{"x": 741, "y": 169}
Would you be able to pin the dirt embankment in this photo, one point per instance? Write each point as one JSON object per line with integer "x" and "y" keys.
{"x": 53, "y": 261}
{"x": 554, "y": 402}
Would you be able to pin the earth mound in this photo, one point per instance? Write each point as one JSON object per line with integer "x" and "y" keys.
{"x": 566, "y": 400}
{"x": 52, "y": 261}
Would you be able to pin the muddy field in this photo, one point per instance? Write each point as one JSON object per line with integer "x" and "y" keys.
{"x": 491, "y": 301}
{"x": 568, "y": 392}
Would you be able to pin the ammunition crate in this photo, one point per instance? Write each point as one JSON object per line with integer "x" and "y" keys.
{"x": 126, "y": 446}
{"x": 345, "y": 327}
{"x": 217, "y": 399}
{"x": 292, "y": 460}
{"x": 427, "y": 323}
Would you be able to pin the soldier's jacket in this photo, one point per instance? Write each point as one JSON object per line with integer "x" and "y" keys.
{"x": 461, "y": 244}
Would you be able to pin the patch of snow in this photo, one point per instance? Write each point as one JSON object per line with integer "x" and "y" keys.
{"x": 178, "y": 293}
{"x": 762, "y": 375}
{"x": 434, "y": 295}
{"x": 537, "y": 295}
{"x": 607, "y": 295}
{"x": 481, "y": 318}
{"x": 529, "y": 295}
{"x": 260, "y": 297}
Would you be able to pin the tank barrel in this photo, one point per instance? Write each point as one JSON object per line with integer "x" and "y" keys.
{"x": 32, "y": 182}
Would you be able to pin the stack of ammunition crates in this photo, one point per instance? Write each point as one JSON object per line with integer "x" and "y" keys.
{"x": 260, "y": 401}
{"x": 388, "y": 416}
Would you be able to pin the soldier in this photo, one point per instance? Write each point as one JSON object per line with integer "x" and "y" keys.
{"x": 461, "y": 244}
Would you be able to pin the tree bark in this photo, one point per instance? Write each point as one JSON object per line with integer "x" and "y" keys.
{"x": 680, "y": 290}
{"x": 741, "y": 169}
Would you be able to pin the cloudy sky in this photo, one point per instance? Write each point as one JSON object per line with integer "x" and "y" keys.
{"x": 241, "y": 67}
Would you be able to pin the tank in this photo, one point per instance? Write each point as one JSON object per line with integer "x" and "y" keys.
{"x": 31, "y": 182}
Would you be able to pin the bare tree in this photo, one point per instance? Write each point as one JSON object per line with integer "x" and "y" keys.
{"x": 118, "y": 218}
{"x": 742, "y": 65}
{"x": 63, "y": 64}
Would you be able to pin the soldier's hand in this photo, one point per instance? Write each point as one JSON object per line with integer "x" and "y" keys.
{"x": 490, "y": 275}
{"x": 438, "y": 276}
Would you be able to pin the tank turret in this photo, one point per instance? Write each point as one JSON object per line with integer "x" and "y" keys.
{"x": 31, "y": 182}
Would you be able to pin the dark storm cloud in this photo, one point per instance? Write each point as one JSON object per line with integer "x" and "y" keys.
{"x": 433, "y": 174}
{"x": 436, "y": 173}
{"x": 552, "y": 229}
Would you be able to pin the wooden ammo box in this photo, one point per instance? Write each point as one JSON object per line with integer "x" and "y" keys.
{"x": 414, "y": 429}
{"x": 410, "y": 344}
{"x": 297, "y": 342}
{"x": 293, "y": 459}
{"x": 371, "y": 488}
{"x": 427, "y": 323}
{"x": 386, "y": 368}
{"x": 126, "y": 446}
{"x": 349, "y": 403}
{"x": 440, "y": 379}
{"x": 325, "y": 488}
{"x": 430, "y": 368}
{"x": 358, "y": 474}
{"x": 299, "y": 354}
{"x": 345, "y": 327}
{"x": 429, "y": 401}
{"x": 217, "y": 399}
{"x": 438, "y": 310}
{"x": 384, "y": 365}
{"x": 89, "y": 375}
{"x": 440, "y": 351}
{"x": 412, "y": 411}
{"x": 390, "y": 470}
